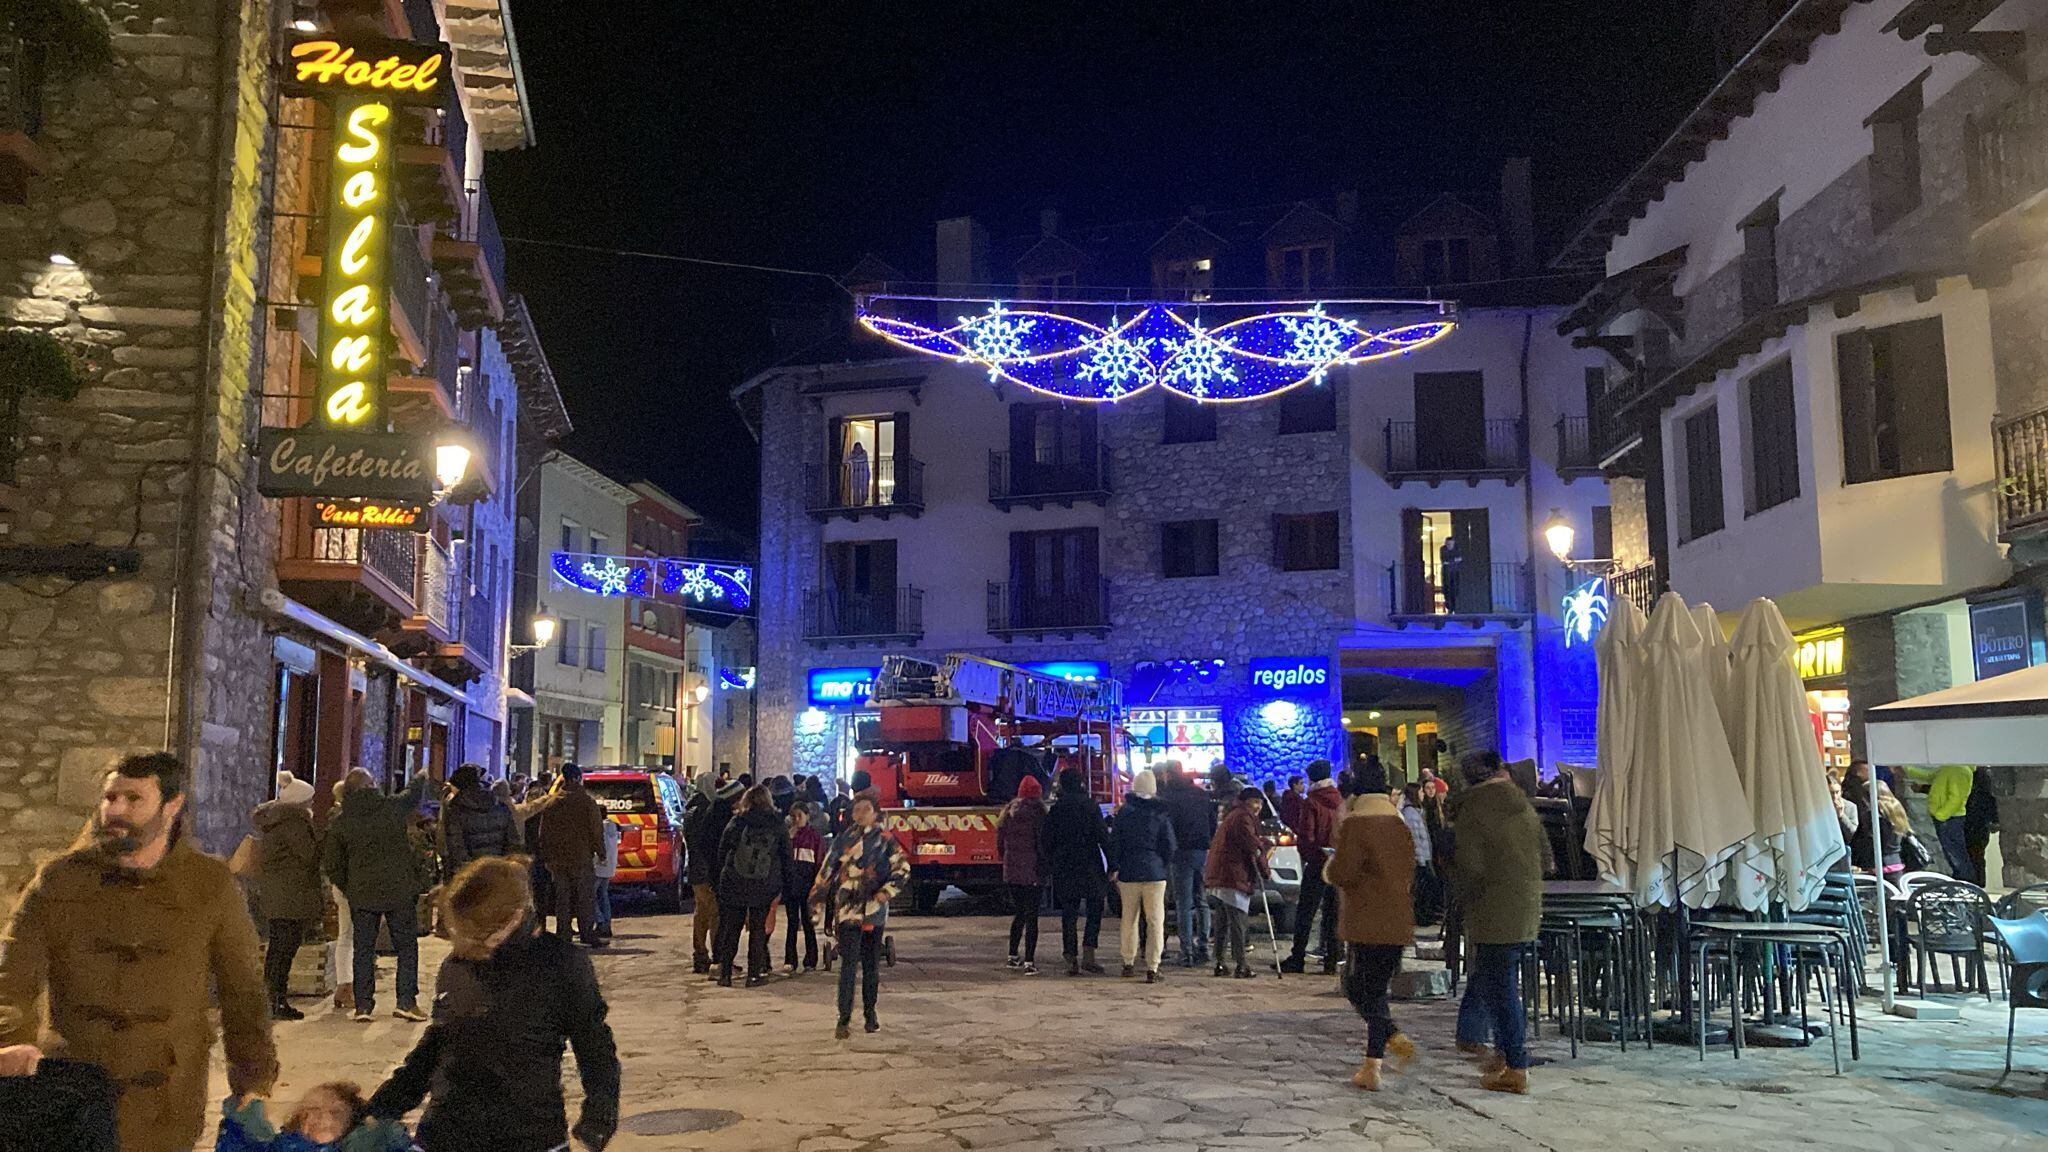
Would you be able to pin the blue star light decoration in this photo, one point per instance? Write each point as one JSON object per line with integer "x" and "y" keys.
{"x": 698, "y": 581}
{"x": 602, "y": 575}
{"x": 703, "y": 581}
{"x": 1089, "y": 350}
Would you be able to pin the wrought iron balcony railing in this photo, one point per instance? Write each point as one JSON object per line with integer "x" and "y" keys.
{"x": 1012, "y": 482}
{"x": 1015, "y": 609}
{"x": 1500, "y": 452}
{"x": 881, "y": 486}
{"x": 1495, "y": 591}
{"x": 2021, "y": 447}
{"x": 891, "y": 614}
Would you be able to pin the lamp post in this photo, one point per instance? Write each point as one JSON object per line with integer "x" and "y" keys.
{"x": 543, "y": 627}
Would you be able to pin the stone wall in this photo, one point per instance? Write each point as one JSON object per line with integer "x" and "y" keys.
{"x": 140, "y": 193}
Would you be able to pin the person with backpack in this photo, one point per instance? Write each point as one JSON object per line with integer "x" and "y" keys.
{"x": 752, "y": 872}
{"x": 806, "y": 852}
{"x": 1017, "y": 843}
{"x": 1071, "y": 847}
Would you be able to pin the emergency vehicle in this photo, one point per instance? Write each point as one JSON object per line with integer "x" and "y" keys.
{"x": 647, "y": 805}
{"x": 932, "y": 751}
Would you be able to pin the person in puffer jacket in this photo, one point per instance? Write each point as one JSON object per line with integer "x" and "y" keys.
{"x": 1141, "y": 851}
{"x": 474, "y": 822}
{"x": 1017, "y": 843}
{"x": 489, "y": 1066}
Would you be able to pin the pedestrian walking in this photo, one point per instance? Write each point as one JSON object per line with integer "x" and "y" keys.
{"x": 753, "y": 868}
{"x": 1428, "y": 897}
{"x": 1271, "y": 791}
{"x": 1948, "y": 805}
{"x": 864, "y": 870}
{"x": 704, "y": 821}
{"x": 571, "y": 839}
{"x": 1980, "y": 819}
{"x": 475, "y": 822}
{"x": 1498, "y": 872}
{"x": 1194, "y": 825}
{"x": 806, "y": 853}
{"x": 1236, "y": 868}
{"x": 119, "y": 952}
{"x": 1315, "y": 834}
{"x": 1373, "y": 874}
{"x": 510, "y": 996}
{"x": 1070, "y": 850}
{"x": 290, "y": 895}
{"x": 1142, "y": 848}
{"x": 1017, "y": 837}
{"x": 368, "y": 854}
{"x": 607, "y": 867}
{"x": 1290, "y": 800}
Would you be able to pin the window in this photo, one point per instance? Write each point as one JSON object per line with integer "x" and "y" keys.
{"x": 568, "y": 642}
{"x": 1055, "y": 579}
{"x": 1308, "y": 408}
{"x": 598, "y": 541}
{"x": 1760, "y": 258}
{"x": 571, "y": 536}
{"x": 1773, "y": 438}
{"x": 1305, "y": 541}
{"x": 1187, "y": 421}
{"x": 1894, "y": 383}
{"x": 1192, "y": 278}
{"x": 860, "y": 588}
{"x": 1702, "y": 460}
{"x": 1188, "y": 548}
{"x": 593, "y": 644}
{"x": 1603, "y": 532}
{"x": 864, "y": 452}
{"x": 1895, "y": 157}
{"x": 1447, "y": 564}
{"x": 1447, "y": 260}
{"x": 1301, "y": 267}
{"x": 1053, "y": 448}
{"x": 1054, "y": 286}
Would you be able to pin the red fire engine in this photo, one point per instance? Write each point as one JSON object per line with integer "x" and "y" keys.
{"x": 931, "y": 755}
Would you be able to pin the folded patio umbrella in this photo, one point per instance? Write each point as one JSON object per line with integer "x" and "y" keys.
{"x": 1797, "y": 834}
{"x": 1616, "y": 657}
{"x": 1688, "y": 817}
{"x": 1715, "y": 654}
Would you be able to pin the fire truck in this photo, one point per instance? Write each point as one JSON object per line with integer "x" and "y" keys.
{"x": 933, "y": 753}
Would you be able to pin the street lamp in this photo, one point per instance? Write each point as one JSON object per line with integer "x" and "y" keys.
{"x": 1559, "y": 534}
{"x": 543, "y": 634}
{"x": 451, "y": 462}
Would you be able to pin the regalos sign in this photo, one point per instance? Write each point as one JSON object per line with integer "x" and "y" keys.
{"x": 366, "y": 81}
{"x": 1290, "y": 676}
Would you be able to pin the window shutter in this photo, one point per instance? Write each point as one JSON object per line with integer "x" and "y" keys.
{"x": 1414, "y": 592}
{"x": 1475, "y": 561}
{"x": 1856, "y": 374}
{"x": 1919, "y": 370}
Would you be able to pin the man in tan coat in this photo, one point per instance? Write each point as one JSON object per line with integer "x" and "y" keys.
{"x": 127, "y": 936}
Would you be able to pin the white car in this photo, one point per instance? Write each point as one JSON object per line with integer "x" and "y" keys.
{"x": 1283, "y": 860}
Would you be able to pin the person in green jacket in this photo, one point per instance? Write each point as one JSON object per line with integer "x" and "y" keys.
{"x": 1948, "y": 798}
{"x": 1497, "y": 872}
{"x": 369, "y": 856}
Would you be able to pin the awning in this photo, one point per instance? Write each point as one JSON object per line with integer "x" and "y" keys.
{"x": 2000, "y": 722}
{"x": 514, "y": 698}
{"x": 282, "y": 605}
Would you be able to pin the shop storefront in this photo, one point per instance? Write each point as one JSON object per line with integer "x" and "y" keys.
{"x": 828, "y": 729}
{"x": 1820, "y": 656}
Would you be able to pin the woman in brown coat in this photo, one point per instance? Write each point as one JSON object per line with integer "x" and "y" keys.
{"x": 1236, "y": 868}
{"x": 1373, "y": 872}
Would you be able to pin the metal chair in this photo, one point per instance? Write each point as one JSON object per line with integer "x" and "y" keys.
{"x": 1908, "y": 881}
{"x": 1947, "y": 919}
{"x": 2025, "y": 943}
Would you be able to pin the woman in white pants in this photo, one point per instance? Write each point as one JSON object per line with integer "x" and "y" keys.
{"x": 1141, "y": 857}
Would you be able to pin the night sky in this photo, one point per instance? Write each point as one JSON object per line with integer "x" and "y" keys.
{"x": 804, "y": 135}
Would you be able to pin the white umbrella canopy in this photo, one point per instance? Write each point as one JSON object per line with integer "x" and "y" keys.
{"x": 1797, "y": 834}
{"x": 1716, "y": 655}
{"x": 1616, "y": 656}
{"x": 1688, "y": 817}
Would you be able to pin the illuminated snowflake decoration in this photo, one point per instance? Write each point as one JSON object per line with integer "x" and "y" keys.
{"x": 698, "y": 585}
{"x": 610, "y": 580}
{"x": 997, "y": 336}
{"x": 1116, "y": 363}
{"x": 1199, "y": 363}
{"x": 1317, "y": 338}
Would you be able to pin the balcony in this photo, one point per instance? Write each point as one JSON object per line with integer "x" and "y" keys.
{"x": 882, "y": 487}
{"x": 852, "y": 618}
{"x": 412, "y": 289}
{"x": 1072, "y": 610}
{"x": 2021, "y": 446}
{"x": 2006, "y": 155}
{"x": 480, "y": 621}
{"x": 1612, "y": 436}
{"x": 1637, "y": 584}
{"x": 366, "y": 579}
{"x": 432, "y": 162}
{"x": 1035, "y": 485}
{"x": 1504, "y": 597}
{"x": 1501, "y": 453}
{"x": 433, "y": 619}
{"x": 1575, "y": 454}
{"x": 472, "y": 264}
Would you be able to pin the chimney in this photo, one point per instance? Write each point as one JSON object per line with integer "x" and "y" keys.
{"x": 1518, "y": 214}
{"x": 962, "y": 256}
{"x": 1048, "y": 221}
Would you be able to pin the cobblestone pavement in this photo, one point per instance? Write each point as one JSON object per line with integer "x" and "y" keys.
{"x": 972, "y": 1056}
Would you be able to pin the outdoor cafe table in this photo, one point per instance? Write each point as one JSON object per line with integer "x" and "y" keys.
{"x": 1832, "y": 942}
{"x": 1575, "y": 905}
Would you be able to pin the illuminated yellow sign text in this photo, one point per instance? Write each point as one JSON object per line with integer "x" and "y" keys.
{"x": 352, "y": 339}
{"x": 1820, "y": 653}
{"x": 332, "y": 65}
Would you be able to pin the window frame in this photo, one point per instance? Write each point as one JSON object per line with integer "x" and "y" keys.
{"x": 1850, "y": 349}
{"x": 1278, "y": 272}
{"x": 569, "y": 642}
{"x": 1190, "y": 548}
{"x": 594, "y": 639}
{"x": 1693, "y": 465}
{"x": 1764, "y": 443}
{"x": 1284, "y": 556}
{"x": 1293, "y": 406}
{"x": 1896, "y": 165}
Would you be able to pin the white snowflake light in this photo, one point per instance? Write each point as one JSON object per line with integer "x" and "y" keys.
{"x": 1318, "y": 339}
{"x": 1116, "y": 363}
{"x": 997, "y": 337}
{"x": 698, "y": 585}
{"x": 1199, "y": 361}
{"x": 611, "y": 579}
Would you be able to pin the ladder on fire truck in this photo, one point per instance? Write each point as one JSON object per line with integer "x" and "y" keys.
{"x": 962, "y": 678}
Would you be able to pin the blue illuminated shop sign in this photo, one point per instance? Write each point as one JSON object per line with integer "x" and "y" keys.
{"x": 1290, "y": 676}
{"x": 831, "y": 687}
{"x": 1079, "y": 671}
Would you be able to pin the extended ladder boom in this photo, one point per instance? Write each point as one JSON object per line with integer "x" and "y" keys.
{"x": 965, "y": 679}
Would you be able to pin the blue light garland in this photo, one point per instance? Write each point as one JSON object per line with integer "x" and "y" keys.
{"x": 699, "y": 581}
{"x": 1063, "y": 354}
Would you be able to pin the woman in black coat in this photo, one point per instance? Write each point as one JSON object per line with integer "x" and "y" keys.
{"x": 1071, "y": 853}
{"x": 753, "y": 870}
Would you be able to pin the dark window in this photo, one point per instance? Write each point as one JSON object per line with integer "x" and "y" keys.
{"x": 568, "y": 642}
{"x": 1305, "y": 541}
{"x": 1895, "y": 157}
{"x": 1894, "y": 401}
{"x": 1052, "y": 448}
{"x": 1054, "y": 286}
{"x": 1055, "y": 578}
{"x": 1773, "y": 438}
{"x": 1308, "y": 408}
{"x": 1188, "y": 547}
{"x": 1603, "y": 532}
{"x": 1760, "y": 258}
{"x": 1450, "y": 421}
{"x": 1703, "y": 511}
{"x": 860, "y": 589}
{"x": 1188, "y": 421}
{"x": 1301, "y": 268}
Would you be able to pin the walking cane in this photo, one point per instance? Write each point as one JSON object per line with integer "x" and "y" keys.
{"x": 1272, "y": 933}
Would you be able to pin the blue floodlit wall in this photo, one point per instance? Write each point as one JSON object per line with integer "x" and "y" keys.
{"x": 1277, "y": 738}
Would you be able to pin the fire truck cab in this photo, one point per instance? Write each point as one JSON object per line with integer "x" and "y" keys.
{"x": 939, "y": 755}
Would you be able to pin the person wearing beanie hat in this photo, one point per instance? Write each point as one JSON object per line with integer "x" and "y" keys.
{"x": 1142, "y": 848}
{"x": 289, "y": 892}
{"x": 489, "y": 1066}
{"x": 1236, "y": 868}
{"x": 704, "y": 821}
{"x": 1017, "y": 843}
{"x": 1316, "y": 831}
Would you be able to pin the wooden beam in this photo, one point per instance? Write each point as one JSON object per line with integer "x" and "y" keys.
{"x": 2006, "y": 51}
